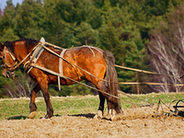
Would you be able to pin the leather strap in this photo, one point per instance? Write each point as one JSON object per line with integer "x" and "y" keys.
{"x": 35, "y": 56}
{"x": 61, "y": 67}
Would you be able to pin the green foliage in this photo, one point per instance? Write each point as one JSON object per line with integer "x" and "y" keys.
{"x": 29, "y": 20}
{"x": 8, "y": 35}
{"x": 120, "y": 26}
{"x": 7, "y": 22}
{"x": 85, "y": 34}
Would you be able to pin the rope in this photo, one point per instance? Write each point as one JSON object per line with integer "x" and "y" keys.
{"x": 53, "y": 45}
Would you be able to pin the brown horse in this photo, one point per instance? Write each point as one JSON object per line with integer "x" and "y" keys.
{"x": 75, "y": 64}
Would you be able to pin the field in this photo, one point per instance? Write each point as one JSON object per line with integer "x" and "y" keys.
{"x": 74, "y": 118}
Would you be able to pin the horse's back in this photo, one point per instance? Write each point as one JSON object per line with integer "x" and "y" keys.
{"x": 88, "y": 60}
{"x": 79, "y": 63}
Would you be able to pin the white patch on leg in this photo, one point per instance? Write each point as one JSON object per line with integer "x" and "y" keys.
{"x": 112, "y": 114}
{"x": 99, "y": 115}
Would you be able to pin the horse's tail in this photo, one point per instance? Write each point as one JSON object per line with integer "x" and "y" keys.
{"x": 111, "y": 80}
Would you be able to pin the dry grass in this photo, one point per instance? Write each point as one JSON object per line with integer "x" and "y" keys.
{"x": 75, "y": 118}
{"x": 136, "y": 122}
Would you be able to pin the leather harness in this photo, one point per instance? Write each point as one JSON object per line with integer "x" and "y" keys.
{"x": 35, "y": 56}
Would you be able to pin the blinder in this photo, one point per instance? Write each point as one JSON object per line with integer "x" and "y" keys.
{"x": 6, "y": 68}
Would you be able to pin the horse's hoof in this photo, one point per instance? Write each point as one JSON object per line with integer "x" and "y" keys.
{"x": 99, "y": 115}
{"x": 112, "y": 114}
{"x": 32, "y": 115}
{"x": 47, "y": 116}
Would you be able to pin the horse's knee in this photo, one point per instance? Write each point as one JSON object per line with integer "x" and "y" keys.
{"x": 46, "y": 96}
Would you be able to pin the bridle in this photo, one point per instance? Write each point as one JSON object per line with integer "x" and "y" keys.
{"x": 16, "y": 64}
{"x": 6, "y": 65}
{"x": 9, "y": 68}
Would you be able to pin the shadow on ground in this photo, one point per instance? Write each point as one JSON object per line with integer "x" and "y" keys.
{"x": 17, "y": 117}
{"x": 89, "y": 115}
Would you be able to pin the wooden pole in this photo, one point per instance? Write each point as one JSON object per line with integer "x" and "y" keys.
{"x": 149, "y": 83}
{"x": 138, "y": 70}
{"x": 137, "y": 80}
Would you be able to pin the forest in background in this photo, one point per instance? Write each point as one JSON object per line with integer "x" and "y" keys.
{"x": 127, "y": 28}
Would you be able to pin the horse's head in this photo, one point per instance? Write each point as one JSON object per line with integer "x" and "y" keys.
{"x": 8, "y": 61}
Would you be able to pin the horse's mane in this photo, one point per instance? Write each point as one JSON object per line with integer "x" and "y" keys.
{"x": 29, "y": 43}
{"x": 9, "y": 45}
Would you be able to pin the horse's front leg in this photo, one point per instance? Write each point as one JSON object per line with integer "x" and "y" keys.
{"x": 32, "y": 105}
{"x": 44, "y": 87}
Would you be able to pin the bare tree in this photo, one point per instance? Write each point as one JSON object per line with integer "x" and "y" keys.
{"x": 167, "y": 52}
{"x": 20, "y": 87}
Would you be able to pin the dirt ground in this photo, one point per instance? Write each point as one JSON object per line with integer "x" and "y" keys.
{"x": 136, "y": 122}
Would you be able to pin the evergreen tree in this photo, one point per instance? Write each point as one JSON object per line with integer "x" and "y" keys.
{"x": 7, "y": 23}
{"x": 85, "y": 34}
{"x": 29, "y": 20}
{"x": 120, "y": 26}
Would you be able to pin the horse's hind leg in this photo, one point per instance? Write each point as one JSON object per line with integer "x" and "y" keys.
{"x": 114, "y": 107}
{"x": 112, "y": 102}
{"x": 99, "y": 114}
{"x": 111, "y": 109}
{"x": 32, "y": 105}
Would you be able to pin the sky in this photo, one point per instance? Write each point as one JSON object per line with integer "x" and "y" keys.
{"x": 3, "y": 3}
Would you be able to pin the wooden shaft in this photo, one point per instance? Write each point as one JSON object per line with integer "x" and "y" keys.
{"x": 149, "y": 83}
{"x": 138, "y": 70}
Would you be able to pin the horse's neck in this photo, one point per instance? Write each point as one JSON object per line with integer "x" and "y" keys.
{"x": 21, "y": 51}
